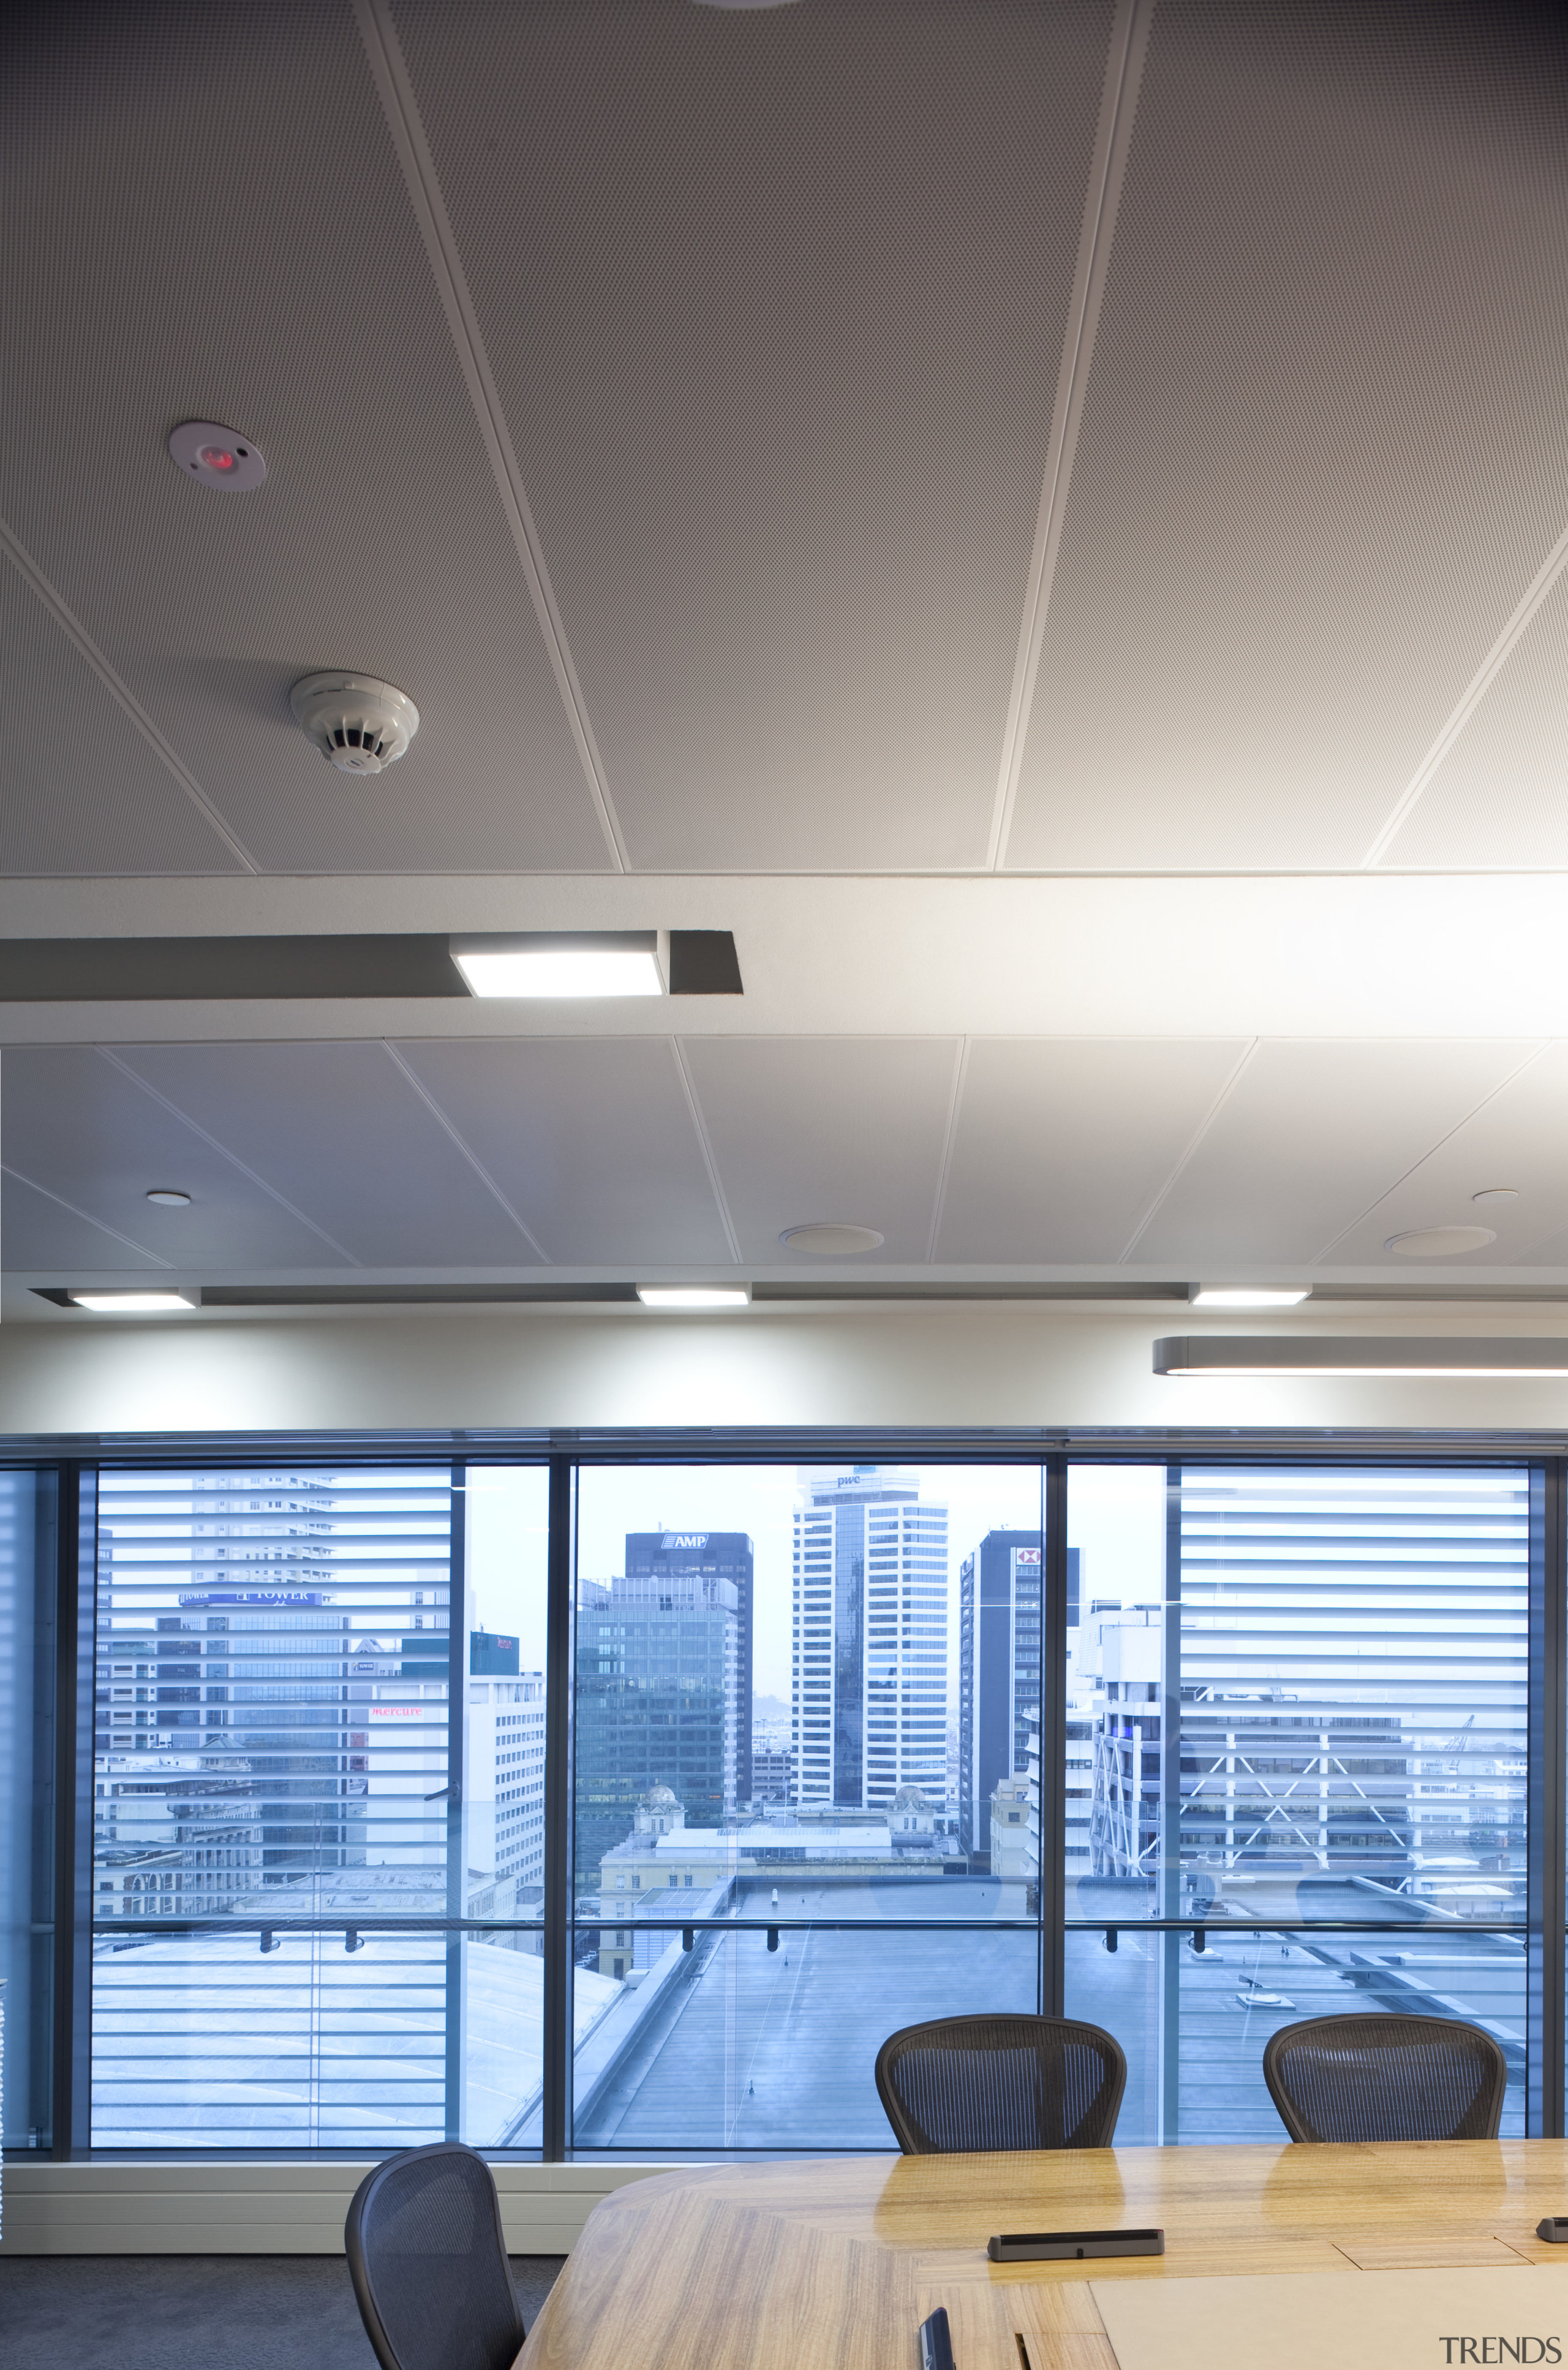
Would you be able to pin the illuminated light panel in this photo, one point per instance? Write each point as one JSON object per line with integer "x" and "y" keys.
{"x": 694, "y": 1296}
{"x": 135, "y": 1304}
{"x": 561, "y": 965}
{"x": 1265, "y": 1358}
{"x": 1241, "y": 1295}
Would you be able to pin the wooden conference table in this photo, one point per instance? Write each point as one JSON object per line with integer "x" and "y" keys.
{"x": 833, "y": 2265}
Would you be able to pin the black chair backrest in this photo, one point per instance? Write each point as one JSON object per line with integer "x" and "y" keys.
{"x": 973, "y": 2084}
{"x": 1386, "y": 2077}
{"x": 429, "y": 2263}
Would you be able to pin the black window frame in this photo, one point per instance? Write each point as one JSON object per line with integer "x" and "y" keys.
{"x": 68, "y": 1468}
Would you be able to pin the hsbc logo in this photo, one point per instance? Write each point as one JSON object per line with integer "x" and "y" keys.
{"x": 1026, "y": 1555}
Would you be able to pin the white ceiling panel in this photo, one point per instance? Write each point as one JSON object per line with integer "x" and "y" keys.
{"x": 202, "y": 215}
{"x": 848, "y": 1132}
{"x": 1518, "y": 1138}
{"x": 40, "y": 1236}
{"x": 76, "y": 1124}
{"x": 1061, "y": 1148}
{"x": 1500, "y": 798}
{"x": 81, "y": 790}
{"x": 1311, "y": 1136}
{"x": 776, "y": 301}
{"x": 1324, "y": 447}
{"x": 341, "y": 1131}
{"x": 591, "y": 1141}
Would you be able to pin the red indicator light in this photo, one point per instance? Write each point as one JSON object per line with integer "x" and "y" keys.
{"x": 213, "y": 456}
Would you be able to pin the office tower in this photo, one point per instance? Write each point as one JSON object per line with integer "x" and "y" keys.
{"x": 999, "y": 1601}
{"x": 247, "y": 1651}
{"x": 868, "y": 1672}
{"x": 773, "y": 1771}
{"x": 726, "y": 1555}
{"x": 504, "y": 1744}
{"x": 657, "y": 1686}
{"x": 1393, "y": 1754}
{"x": 492, "y": 1656}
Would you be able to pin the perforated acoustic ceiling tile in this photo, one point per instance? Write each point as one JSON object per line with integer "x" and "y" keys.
{"x": 201, "y": 213}
{"x": 40, "y": 1236}
{"x": 340, "y": 1130}
{"x": 81, "y": 790}
{"x": 76, "y": 1126}
{"x": 1307, "y": 1139}
{"x": 591, "y": 1139}
{"x": 776, "y": 300}
{"x": 1325, "y": 442}
{"x": 1518, "y": 1137}
{"x": 1499, "y": 801}
{"x": 847, "y": 1130}
{"x": 1061, "y": 1148}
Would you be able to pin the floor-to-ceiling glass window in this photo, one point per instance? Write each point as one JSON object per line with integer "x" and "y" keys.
{"x": 26, "y": 1800}
{"x": 803, "y": 1708}
{"x": 1296, "y": 1737}
{"x": 319, "y": 1760}
{"x": 806, "y": 1801}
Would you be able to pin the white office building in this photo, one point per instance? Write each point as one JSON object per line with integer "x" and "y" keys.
{"x": 505, "y": 1743}
{"x": 869, "y": 1651}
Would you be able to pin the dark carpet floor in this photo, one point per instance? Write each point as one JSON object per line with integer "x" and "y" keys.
{"x": 198, "y": 2312}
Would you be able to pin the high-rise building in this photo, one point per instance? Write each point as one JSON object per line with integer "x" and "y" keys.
{"x": 657, "y": 1686}
{"x": 868, "y": 1669}
{"x": 233, "y": 1613}
{"x": 999, "y": 1601}
{"x": 503, "y": 1742}
{"x": 1321, "y": 1731}
{"x": 723, "y": 1555}
{"x": 492, "y": 1656}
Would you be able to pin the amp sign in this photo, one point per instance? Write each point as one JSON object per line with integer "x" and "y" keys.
{"x": 683, "y": 1539}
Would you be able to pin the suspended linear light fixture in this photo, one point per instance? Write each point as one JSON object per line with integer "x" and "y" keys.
{"x": 1287, "y": 1357}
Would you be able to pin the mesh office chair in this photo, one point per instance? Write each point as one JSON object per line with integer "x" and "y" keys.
{"x": 429, "y": 2263}
{"x": 1386, "y": 2077}
{"x": 973, "y": 2083}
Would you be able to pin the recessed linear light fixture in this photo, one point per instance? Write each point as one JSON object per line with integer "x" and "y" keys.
{"x": 561, "y": 963}
{"x": 135, "y": 1303}
{"x": 1306, "y": 1356}
{"x": 694, "y": 1296}
{"x": 1246, "y": 1296}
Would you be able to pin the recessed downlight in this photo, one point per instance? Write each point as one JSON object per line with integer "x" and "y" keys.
{"x": 831, "y": 1241}
{"x": 166, "y": 1197}
{"x": 216, "y": 456}
{"x": 694, "y": 1296}
{"x": 135, "y": 1303}
{"x": 1496, "y": 1194}
{"x": 1440, "y": 1242}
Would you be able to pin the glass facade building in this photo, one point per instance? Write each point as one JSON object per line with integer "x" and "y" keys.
{"x": 657, "y": 1704}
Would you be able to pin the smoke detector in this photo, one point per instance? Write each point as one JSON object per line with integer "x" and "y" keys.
{"x": 358, "y": 724}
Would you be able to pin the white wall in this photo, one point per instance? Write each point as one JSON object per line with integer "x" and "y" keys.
{"x": 959, "y": 1365}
